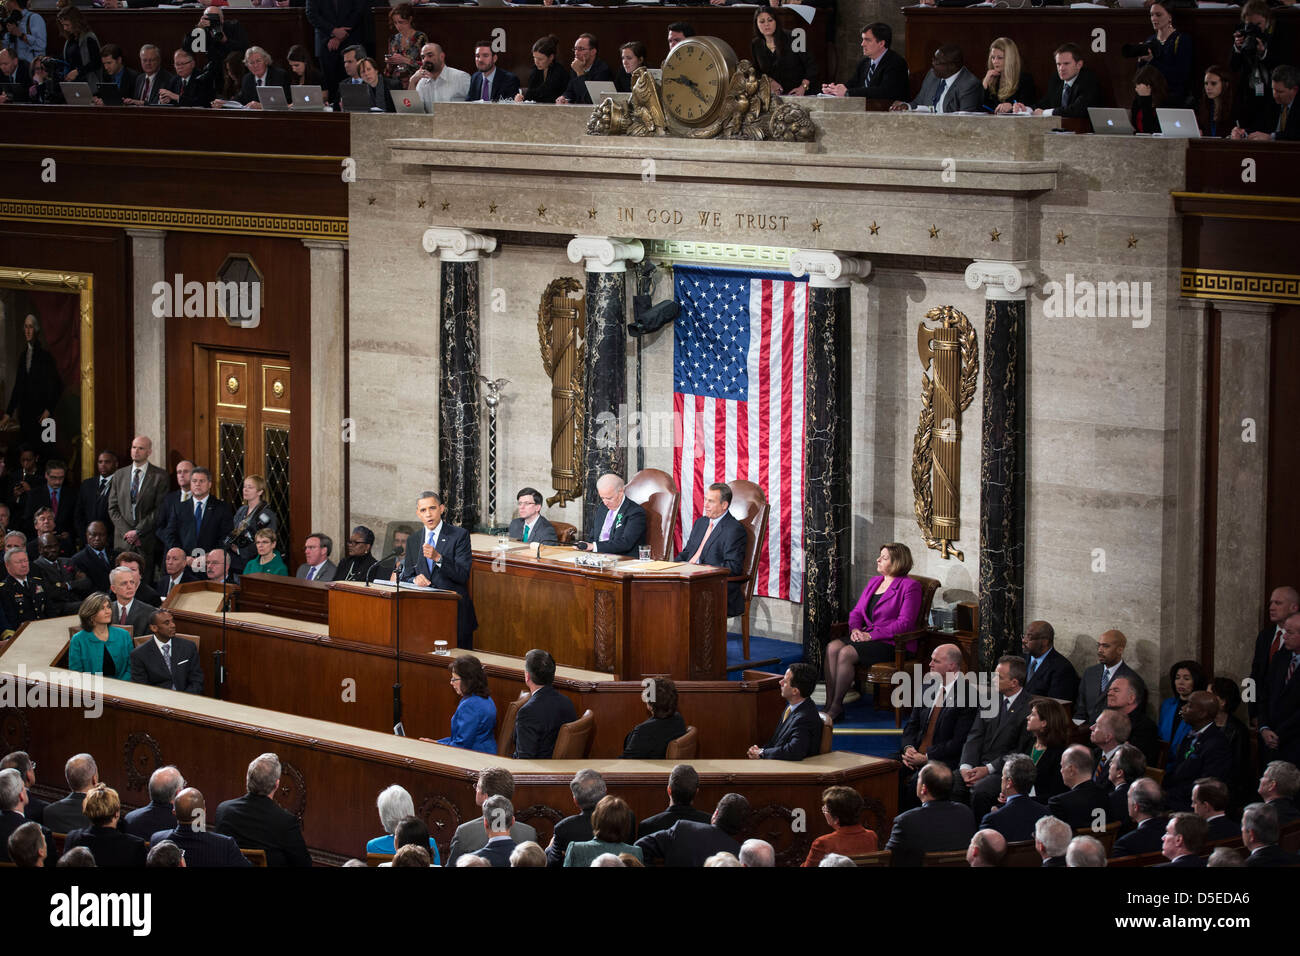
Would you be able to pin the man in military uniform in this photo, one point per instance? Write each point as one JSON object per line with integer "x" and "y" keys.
{"x": 22, "y": 595}
{"x": 57, "y": 573}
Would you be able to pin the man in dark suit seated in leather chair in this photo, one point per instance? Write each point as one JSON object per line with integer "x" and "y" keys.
{"x": 1050, "y": 672}
{"x": 937, "y": 824}
{"x": 588, "y": 789}
{"x": 159, "y": 813}
{"x": 202, "y": 847}
{"x": 620, "y": 521}
{"x": 1184, "y": 840}
{"x": 530, "y": 526}
{"x": 1052, "y": 840}
{"x": 718, "y": 540}
{"x": 498, "y": 818}
{"x": 1145, "y": 808}
{"x": 687, "y": 843}
{"x": 1127, "y": 766}
{"x": 1210, "y": 803}
{"x": 1078, "y": 806}
{"x": 993, "y": 737}
{"x": 1016, "y": 818}
{"x": 539, "y": 719}
{"x": 799, "y": 734}
{"x": 683, "y": 783}
{"x": 937, "y": 732}
{"x": 167, "y": 660}
{"x": 257, "y": 823}
{"x": 1260, "y": 833}
{"x": 1204, "y": 752}
{"x": 13, "y": 802}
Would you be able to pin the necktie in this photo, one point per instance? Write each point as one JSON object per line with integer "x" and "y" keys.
{"x": 431, "y": 541}
{"x": 198, "y": 518}
{"x": 167, "y": 655}
{"x": 871, "y": 71}
{"x": 103, "y": 486}
{"x": 30, "y": 350}
{"x": 1103, "y": 771}
{"x": 788, "y": 712}
{"x": 487, "y": 89}
{"x": 1290, "y": 671}
{"x": 1191, "y": 746}
{"x": 121, "y": 614}
{"x": 1065, "y": 96}
{"x": 148, "y": 88}
{"x": 938, "y": 96}
{"x": 1276, "y": 646}
{"x": 1033, "y": 666}
{"x": 311, "y": 574}
{"x": 608, "y": 527}
{"x": 135, "y": 489}
{"x": 102, "y": 556}
{"x": 525, "y": 534}
{"x": 1105, "y": 679}
{"x": 695, "y": 558}
{"x": 933, "y": 723}
{"x": 54, "y": 500}
{"x": 1281, "y": 120}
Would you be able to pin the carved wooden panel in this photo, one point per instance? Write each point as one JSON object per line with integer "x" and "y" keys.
{"x": 441, "y": 817}
{"x": 775, "y": 824}
{"x": 292, "y": 794}
{"x": 704, "y": 622}
{"x": 142, "y": 756}
{"x": 542, "y": 819}
{"x": 604, "y": 631}
{"x": 15, "y": 732}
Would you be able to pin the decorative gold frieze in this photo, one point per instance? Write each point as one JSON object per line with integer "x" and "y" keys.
{"x": 1240, "y": 286}
{"x": 177, "y": 220}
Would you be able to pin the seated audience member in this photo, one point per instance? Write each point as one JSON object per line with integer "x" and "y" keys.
{"x": 352, "y": 57}
{"x": 756, "y": 854}
{"x": 413, "y": 833}
{"x": 588, "y": 789}
{"x": 231, "y": 85}
{"x": 266, "y": 560}
{"x": 687, "y": 843}
{"x": 799, "y": 734}
{"x": 435, "y": 81}
{"x": 1259, "y": 832}
{"x": 167, "y": 660}
{"x": 717, "y": 539}
{"x": 200, "y": 845}
{"x": 317, "y": 565}
{"x": 80, "y": 47}
{"x": 403, "y": 46}
{"x": 109, "y": 845}
{"x": 58, "y": 576}
{"x": 469, "y": 859}
{"x": 27, "y": 846}
{"x": 992, "y": 739}
{"x": 359, "y": 561}
{"x": 949, "y": 87}
{"x": 881, "y": 74}
{"x": 650, "y": 738}
{"x": 376, "y": 86}
{"x": 1184, "y": 840}
{"x": 937, "y": 732}
{"x": 470, "y": 836}
{"x": 528, "y": 853}
{"x": 411, "y": 855}
{"x": 539, "y": 720}
{"x": 95, "y": 560}
{"x": 678, "y": 31}
{"x": 1285, "y": 121}
{"x": 1203, "y": 752}
{"x": 1145, "y": 809}
{"x": 1122, "y": 695}
{"x": 1210, "y": 803}
{"x": 1258, "y": 46}
{"x": 175, "y": 571}
{"x": 586, "y": 68}
{"x": 546, "y": 83}
{"x": 836, "y": 859}
{"x": 987, "y": 848}
{"x": 1279, "y": 700}
{"x": 127, "y": 610}
{"x": 476, "y": 715}
{"x": 622, "y": 522}
{"x": 1080, "y": 804}
{"x": 530, "y": 525}
{"x": 302, "y": 72}
{"x": 21, "y": 761}
{"x": 888, "y": 606}
{"x": 1225, "y": 691}
{"x": 489, "y": 84}
{"x": 683, "y": 782}
{"x": 609, "y": 859}
{"x": 1127, "y": 766}
{"x": 115, "y": 71}
{"x": 1007, "y": 83}
{"x": 14, "y": 72}
{"x": 144, "y": 591}
{"x": 152, "y": 79}
{"x": 1282, "y": 603}
{"x": 1109, "y": 733}
{"x": 1168, "y": 50}
{"x": 66, "y": 815}
{"x": 1052, "y": 840}
{"x": 632, "y": 56}
{"x": 159, "y": 813}
{"x": 789, "y": 72}
{"x": 1278, "y": 786}
{"x": 14, "y": 798}
{"x": 99, "y": 648}
{"x": 260, "y": 73}
{"x": 253, "y": 515}
{"x": 1085, "y": 851}
{"x": 1074, "y": 90}
{"x": 1097, "y": 681}
{"x": 1184, "y": 677}
{"x": 1226, "y": 856}
{"x": 22, "y": 594}
{"x": 192, "y": 87}
{"x": 257, "y": 823}
{"x": 937, "y": 824}
{"x": 43, "y": 522}
{"x": 842, "y": 808}
{"x": 395, "y": 805}
{"x": 498, "y": 817}
{"x": 1049, "y": 672}
{"x": 79, "y": 856}
{"x": 613, "y": 824}
{"x": 1016, "y": 817}
{"x": 1148, "y": 95}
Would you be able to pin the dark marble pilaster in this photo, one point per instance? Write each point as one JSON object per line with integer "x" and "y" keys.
{"x": 1003, "y": 502}
{"x": 827, "y": 525}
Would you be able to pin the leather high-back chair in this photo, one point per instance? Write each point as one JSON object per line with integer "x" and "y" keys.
{"x": 657, "y": 493}
{"x": 565, "y": 532}
{"x": 749, "y": 506}
{"x": 574, "y": 739}
{"x": 828, "y": 731}
{"x": 506, "y": 738}
{"x": 685, "y": 747}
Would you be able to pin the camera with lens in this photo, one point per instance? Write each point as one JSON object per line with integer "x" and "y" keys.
{"x": 55, "y": 69}
{"x": 14, "y": 16}
{"x": 1253, "y": 36}
{"x": 1145, "y": 48}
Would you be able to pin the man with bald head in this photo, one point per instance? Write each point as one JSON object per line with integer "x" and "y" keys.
{"x": 214, "y": 566}
{"x": 173, "y": 502}
{"x": 1143, "y": 733}
{"x": 1282, "y": 603}
{"x": 987, "y": 848}
{"x": 135, "y": 498}
{"x": 435, "y": 81}
{"x": 93, "y": 562}
{"x": 620, "y": 523}
{"x": 194, "y": 835}
{"x": 1203, "y": 752}
{"x": 937, "y": 728}
{"x": 1091, "y": 699}
{"x": 158, "y": 814}
{"x": 1050, "y": 672}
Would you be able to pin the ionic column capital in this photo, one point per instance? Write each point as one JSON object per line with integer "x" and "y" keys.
{"x": 457, "y": 245}
{"x": 1005, "y": 281}
{"x": 826, "y": 269}
{"x": 604, "y": 254}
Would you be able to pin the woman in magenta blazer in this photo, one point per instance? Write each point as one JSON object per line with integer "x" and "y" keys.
{"x": 888, "y": 606}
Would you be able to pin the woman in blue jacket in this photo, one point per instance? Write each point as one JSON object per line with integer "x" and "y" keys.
{"x": 476, "y": 715}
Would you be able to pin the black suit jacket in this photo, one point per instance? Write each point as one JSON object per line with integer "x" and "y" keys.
{"x": 1076, "y": 806}
{"x": 1279, "y": 706}
{"x": 798, "y": 736}
{"x": 218, "y": 521}
{"x": 1118, "y": 799}
{"x": 10, "y": 821}
{"x": 497, "y": 852}
{"x": 1272, "y": 855}
{"x": 650, "y": 738}
{"x": 1259, "y": 662}
{"x": 164, "y": 585}
{"x": 257, "y": 823}
{"x": 22, "y": 78}
{"x": 546, "y": 88}
{"x": 931, "y": 827}
{"x": 1085, "y": 91}
{"x": 890, "y": 81}
{"x": 991, "y": 739}
{"x": 148, "y": 820}
{"x": 199, "y": 90}
{"x": 687, "y": 843}
{"x": 204, "y": 848}
{"x": 949, "y": 733}
{"x": 109, "y": 846}
{"x": 137, "y": 618}
{"x": 274, "y": 77}
{"x": 163, "y": 80}
{"x": 1145, "y": 839}
{"x": 576, "y": 91}
{"x": 186, "y": 675}
{"x": 451, "y": 573}
{"x": 167, "y": 527}
{"x": 724, "y": 549}
{"x": 64, "y": 816}
{"x": 662, "y": 821}
{"x": 538, "y": 722}
{"x": 504, "y": 86}
{"x": 1055, "y": 677}
{"x": 65, "y": 519}
{"x": 1185, "y": 860}
{"x": 1222, "y": 828}
{"x": 1287, "y": 811}
{"x": 1016, "y": 820}
{"x": 628, "y": 533}
{"x": 1210, "y": 756}
{"x": 1090, "y": 701}
{"x": 574, "y": 829}
{"x": 1145, "y": 736}
{"x": 542, "y": 531}
{"x": 92, "y": 505}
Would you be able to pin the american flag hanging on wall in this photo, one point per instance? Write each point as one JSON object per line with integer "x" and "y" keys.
{"x": 738, "y": 392}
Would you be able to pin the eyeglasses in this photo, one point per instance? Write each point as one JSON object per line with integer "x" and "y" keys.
{"x": 454, "y": 680}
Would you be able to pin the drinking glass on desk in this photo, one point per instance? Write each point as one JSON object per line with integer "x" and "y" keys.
{"x": 502, "y": 540}
{"x": 643, "y": 552}
{"x": 440, "y": 648}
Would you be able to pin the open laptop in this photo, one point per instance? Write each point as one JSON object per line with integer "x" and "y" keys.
{"x": 308, "y": 98}
{"x": 407, "y": 101}
{"x": 109, "y": 94}
{"x": 1110, "y": 121}
{"x": 354, "y": 97}
{"x": 272, "y": 98}
{"x": 15, "y": 92}
{"x": 77, "y": 94}
{"x": 1178, "y": 124}
{"x": 601, "y": 90}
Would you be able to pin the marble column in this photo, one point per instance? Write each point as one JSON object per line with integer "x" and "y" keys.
{"x": 605, "y": 400}
{"x": 148, "y": 250}
{"x": 459, "y": 445}
{"x": 827, "y": 518}
{"x": 1003, "y": 502}
{"x": 328, "y": 406}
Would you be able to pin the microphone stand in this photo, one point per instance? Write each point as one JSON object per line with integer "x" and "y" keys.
{"x": 219, "y": 657}
{"x": 397, "y": 657}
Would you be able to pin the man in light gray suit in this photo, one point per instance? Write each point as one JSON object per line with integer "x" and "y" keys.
{"x": 949, "y": 87}
{"x": 135, "y": 497}
{"x": 471, "y": 837}
{"x": 318, "y": 566}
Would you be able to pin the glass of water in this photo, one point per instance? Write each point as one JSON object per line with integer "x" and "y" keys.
{"x": 643, "y": 552}
{"x": 440, "y": 648}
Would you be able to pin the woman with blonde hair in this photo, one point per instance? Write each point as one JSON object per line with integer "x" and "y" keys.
{"x": 1006, "y": 82}
{"x": 106, "y": 843}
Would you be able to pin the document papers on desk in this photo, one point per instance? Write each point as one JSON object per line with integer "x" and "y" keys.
{"x": 407, "y": 586}
{"x": 650, "y": 565}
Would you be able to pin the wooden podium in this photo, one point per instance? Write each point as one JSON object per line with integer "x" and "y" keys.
{"x": 370, "y": 615}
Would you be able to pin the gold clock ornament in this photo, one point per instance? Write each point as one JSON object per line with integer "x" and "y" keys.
{"x": 695, "y": 80}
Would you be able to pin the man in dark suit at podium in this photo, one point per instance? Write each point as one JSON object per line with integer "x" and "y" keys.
{"x": 718, "y": 540}
{"x": 799, "y": 734}
{"x": 1050, "y": 672}
{"x": 530, "y": 526}
{"x": 539, "y": 719}
{"x": 619, "y": 521}
{"x": 440, "y": 557}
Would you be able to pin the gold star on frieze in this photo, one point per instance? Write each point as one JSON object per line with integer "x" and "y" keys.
{"x": 875, "y": 230}
{"x": 1061, "y": 236}
{"x": 934, "y": 232}
{"x": 445, "y": 205}
{"x": 423, "y": 202}
{"x": 492, "y": 207}
{"x": 591, "y": 214}
{"x": 370, "y": 200}
{"x": 541, "y": 210}
{"x": 817, "y": 225}
{"x": 995, "y": 236}
{"x": 1132, "y": 241}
